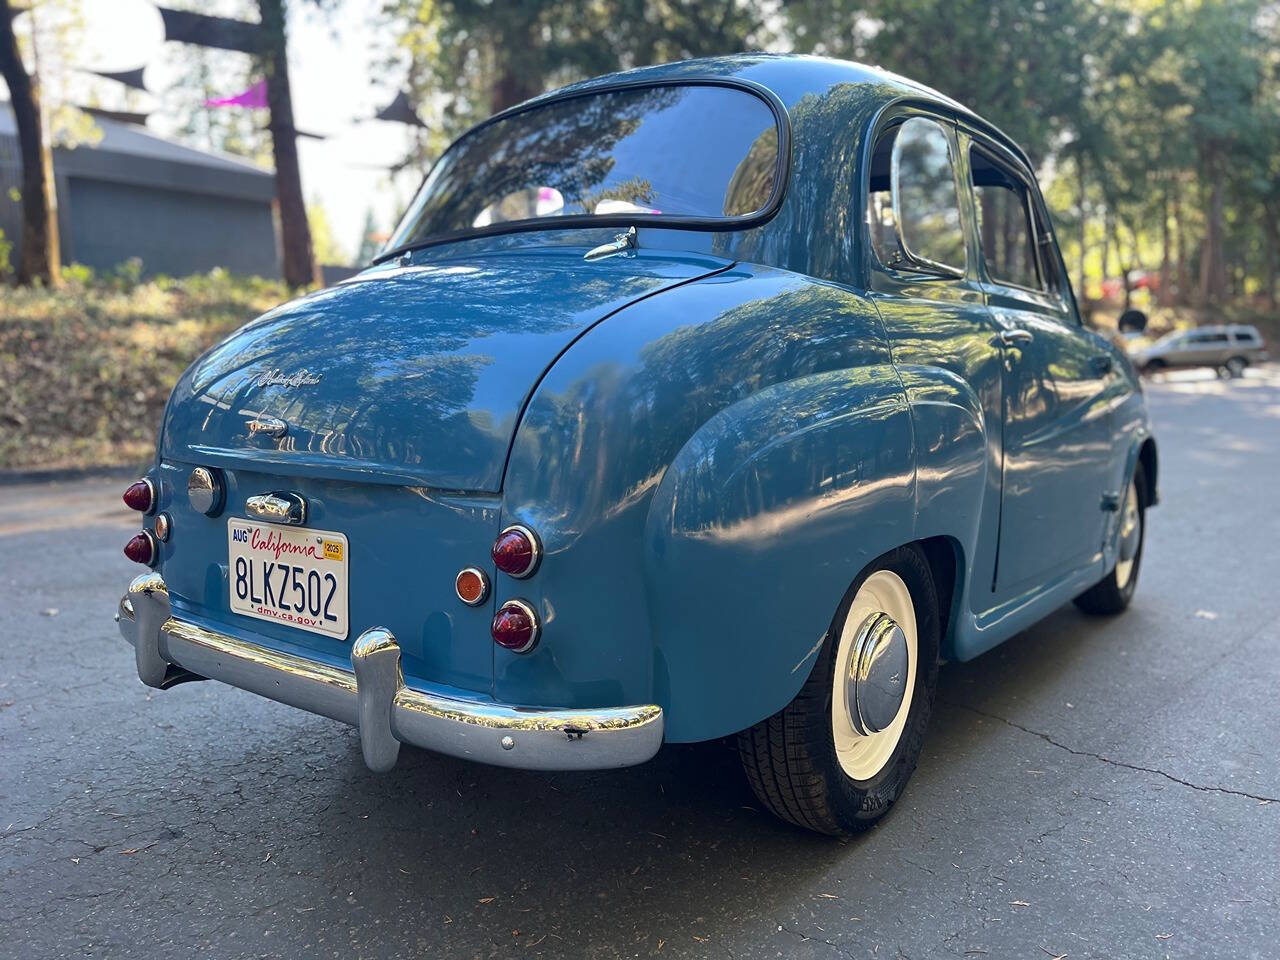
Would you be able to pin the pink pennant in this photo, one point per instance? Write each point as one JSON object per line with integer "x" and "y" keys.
{"x": 254, "y": 98}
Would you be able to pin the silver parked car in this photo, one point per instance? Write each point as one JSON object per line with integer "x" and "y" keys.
{"x": 1228, "y": 348}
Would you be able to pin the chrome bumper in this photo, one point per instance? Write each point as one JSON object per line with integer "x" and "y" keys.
{"x": 372, "y": 696}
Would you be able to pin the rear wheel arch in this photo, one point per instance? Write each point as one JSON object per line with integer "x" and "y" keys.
{"x": 766, "y": 515}
{"x": 798, "y": 762}
{"x": 945, "y": 557}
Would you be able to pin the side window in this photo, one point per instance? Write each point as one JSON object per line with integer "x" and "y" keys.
{"x": 1005, "y": 223}
{"x": 913, "y": 210}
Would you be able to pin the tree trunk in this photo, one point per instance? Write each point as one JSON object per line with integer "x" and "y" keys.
{"x": 1271, "y": 243}
{"x": 512, "y": 87}
{"x": 1080, "y": 174}
{"x": 516, "y": 78}
{"x": 1180, "y": 242}
{"x": 1127, "y": 268}
{"x": 295, "y": 233}
{"x": 1162, "y": 296}
{"x": 1213, "y": 264}
{"x": 1108, "y": 242}
{"x": 41, "y": 260}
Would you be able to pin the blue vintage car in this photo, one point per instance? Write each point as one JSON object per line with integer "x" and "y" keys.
{"x": 722, "y": 398}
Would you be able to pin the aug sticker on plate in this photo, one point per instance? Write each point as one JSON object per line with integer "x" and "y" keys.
{"x": 291, "y": 575}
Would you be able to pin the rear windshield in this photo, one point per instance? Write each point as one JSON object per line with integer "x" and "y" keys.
{"x": 687, "y": 151}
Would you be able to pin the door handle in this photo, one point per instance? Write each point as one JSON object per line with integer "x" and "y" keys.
{"x": 1101, "y": 364}
{"x": 1017, "y": 337}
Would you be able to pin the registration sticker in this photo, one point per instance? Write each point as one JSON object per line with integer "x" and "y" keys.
{"x": 290, "y": 575}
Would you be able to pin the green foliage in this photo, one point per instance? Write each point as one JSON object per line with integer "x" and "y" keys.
{"x": 1156, "y": 125}
{"x": 466, "y": 59}
{"x": 5, "y": 248}
{"x": 370, "y": 240}
{"x": 326, "y": 247}
{"x": 85, "y": 370}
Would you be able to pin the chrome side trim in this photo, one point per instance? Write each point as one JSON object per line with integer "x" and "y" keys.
{"x": 373, "y": 697}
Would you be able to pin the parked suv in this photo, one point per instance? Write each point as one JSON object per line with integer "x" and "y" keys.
{"x": 1226, "y": 348}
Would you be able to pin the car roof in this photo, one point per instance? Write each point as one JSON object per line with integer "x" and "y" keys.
{"x": 1224, "y": 328}
{"x": 794, "y": 79}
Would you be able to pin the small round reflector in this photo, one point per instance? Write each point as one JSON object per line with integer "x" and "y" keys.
{"x": 162, "y": 527}
{"x": 516, "y": 551}
{"x": 140, "y": 495}
{"x": 515, "y": 626}
{"x": 141, "y": 548}
{"x": 472, "y": 586}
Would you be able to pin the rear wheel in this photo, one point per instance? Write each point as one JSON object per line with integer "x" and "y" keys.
{"x": 1236, "y": 367}
{"x": 839, "y": 755}
{"x": 1113, "y": 592}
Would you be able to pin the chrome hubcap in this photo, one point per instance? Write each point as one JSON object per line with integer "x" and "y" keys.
{"x": 1130, "y": 537}
{"x": 877, "y": 680}
{"x": 875, "y": 674}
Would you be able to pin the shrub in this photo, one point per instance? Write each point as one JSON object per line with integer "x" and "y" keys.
{"x": 85, "y": 370}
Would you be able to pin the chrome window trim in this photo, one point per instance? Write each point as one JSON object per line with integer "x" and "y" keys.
{"x": 782, "y": 121}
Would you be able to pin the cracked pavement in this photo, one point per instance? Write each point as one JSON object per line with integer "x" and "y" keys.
{"x": 1093, "y": 788}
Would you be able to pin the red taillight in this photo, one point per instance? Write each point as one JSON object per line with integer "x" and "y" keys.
{"x": 140, "y": 495}
{"x": 516, "y": 551}
{"x": 141, "y": 549}
{"x": 515, "y": 626}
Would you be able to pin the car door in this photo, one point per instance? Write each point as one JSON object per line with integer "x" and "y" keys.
{"x": 1058, "y": 450}
{"x": 1206, "y": 349}
{"x": 932, "y": 305}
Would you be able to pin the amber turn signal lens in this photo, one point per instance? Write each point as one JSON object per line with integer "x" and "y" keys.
{"x": 516, "y": 551}
{"x": 472, "y": 586}
{"x": 515, "y": 626}
{"x": 141, "y": 549}
{"x": 140, "y": 495}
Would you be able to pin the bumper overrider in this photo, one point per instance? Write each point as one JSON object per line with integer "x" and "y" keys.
{"x": 372, "y": 695}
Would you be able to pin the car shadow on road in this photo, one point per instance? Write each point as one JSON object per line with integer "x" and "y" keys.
{"x": 625, "y": 858}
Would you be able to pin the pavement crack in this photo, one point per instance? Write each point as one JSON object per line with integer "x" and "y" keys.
{"x": 1108, "y": 760}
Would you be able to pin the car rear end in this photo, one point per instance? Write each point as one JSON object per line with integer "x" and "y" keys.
{"x": 323, "y": 524}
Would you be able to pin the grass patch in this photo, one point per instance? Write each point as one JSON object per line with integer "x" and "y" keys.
{"x": 85, "y": 370}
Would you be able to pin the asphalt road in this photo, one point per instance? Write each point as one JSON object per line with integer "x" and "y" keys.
{"x": 1093, "y": 788}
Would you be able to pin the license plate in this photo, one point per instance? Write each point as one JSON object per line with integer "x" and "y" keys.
{"x": 295, "y": 576}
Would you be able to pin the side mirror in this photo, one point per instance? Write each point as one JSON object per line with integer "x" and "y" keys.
{"x": 926, "y": 208}
{"x": 1132, "y": 321}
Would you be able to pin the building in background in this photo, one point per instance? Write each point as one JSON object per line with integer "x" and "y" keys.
{"x": 134, "y": 194}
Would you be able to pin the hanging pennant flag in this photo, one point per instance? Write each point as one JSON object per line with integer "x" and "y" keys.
{"x": 120, "y": 116}
{"x": 400, "y": 110}
{"x": 130, "y": 78}
{"x": 255, "y": 98}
